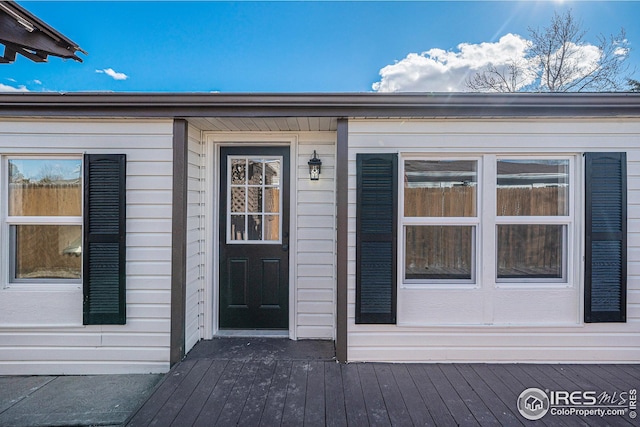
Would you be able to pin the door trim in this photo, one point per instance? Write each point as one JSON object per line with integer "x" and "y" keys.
{"x": 214, "y": 141}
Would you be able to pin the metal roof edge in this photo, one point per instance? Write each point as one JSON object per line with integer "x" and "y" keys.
{"x": 164, "y": 105}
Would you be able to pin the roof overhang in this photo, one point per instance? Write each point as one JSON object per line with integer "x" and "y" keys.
{"x": 351, "y": 105}
{"x": 23, "y": 33}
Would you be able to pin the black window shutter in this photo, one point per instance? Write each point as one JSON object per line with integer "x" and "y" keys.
{"x": 606, "y": 237}
{"x": 104, "y": 246}
{"x": 376, "y": 238}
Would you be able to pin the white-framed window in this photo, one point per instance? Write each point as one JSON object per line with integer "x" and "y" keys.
{"x": 254, "y": 202}
{"x": 533, "y": 218}
{"x": 440, "y": 219}
{"x": 43, "y": 218}
{"x": 444, "y": 219}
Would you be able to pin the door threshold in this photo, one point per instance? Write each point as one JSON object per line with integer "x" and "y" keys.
{"x": 252, "y": 333}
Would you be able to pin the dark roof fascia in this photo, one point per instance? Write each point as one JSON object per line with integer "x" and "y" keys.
{"x": 67, "y": 46}
{"x": 365, "y": 105}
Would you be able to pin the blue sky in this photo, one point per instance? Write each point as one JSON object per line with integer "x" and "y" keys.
{"x": 287, "y": 46}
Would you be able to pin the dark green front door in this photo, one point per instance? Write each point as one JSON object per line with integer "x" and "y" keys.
{"x": 254, "y": 238}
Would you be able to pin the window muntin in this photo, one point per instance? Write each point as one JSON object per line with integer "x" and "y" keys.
{"x": 532, "y": 187}
{"x": 254, "y": 201}
{"x": 440, "y": 221}
{"x": 44, "y": 219}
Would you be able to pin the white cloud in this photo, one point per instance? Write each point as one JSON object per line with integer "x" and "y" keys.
{"x": 114, "y": 74}
{"x": 437, "y": 70}
{"x": 582, "y": 60}
{"x": 38, "y": 82}
{"x": 5, "y": 88}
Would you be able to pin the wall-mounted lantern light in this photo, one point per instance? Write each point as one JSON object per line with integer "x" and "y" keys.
{"x": 314, "y": 167}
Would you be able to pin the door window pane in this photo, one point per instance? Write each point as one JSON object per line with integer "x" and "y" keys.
{"x": 272, "y": 172}
{"x": 531, "y": 251}
{"x": 533, "y": 187}
{"x": 238, "y": 227}
{"x": 254, "y": 199}
{"x": 440, "y": 188}
{"x": 271, "y": 227}
{"x": 439, "y": 252}
{"x": 254, "y": 227}
{"x": 255, "y": 172}
{"x": 238, "y": 199}
{"x": 272, "y": 200}
{"x": 238, "y": 171}
{"x": 47, "y": 251}
{"x": 45, "y": 187}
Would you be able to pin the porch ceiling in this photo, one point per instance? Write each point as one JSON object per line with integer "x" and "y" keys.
{"x": 265, "y": 124}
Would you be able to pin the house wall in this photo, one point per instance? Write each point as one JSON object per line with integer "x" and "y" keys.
{"x": 315, "y": 260}
{"x": 41, "y": 329}
{"x": 497, "y": 323}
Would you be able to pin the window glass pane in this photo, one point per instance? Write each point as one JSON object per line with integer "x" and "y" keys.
{"x": 530, "y": 251}
{"x": 254, "y": 201}
{"x": 47, "y": 251}
{"x": 272, "y": 200}
{"x": 255, "y": 227}
{"x": 272, "y": 172}
{"x": 439, "y": 252}
{"x": 238, "y": 199}
{"x": 238, "y": 228}
{"x": 533, "y": 187}
{"x": 238, "y": 171}
{"x": 439, "y": 188}
{"x": 45, "y": 187}
{"x": 255, "y": 172}
{"x": 271, "y": 227}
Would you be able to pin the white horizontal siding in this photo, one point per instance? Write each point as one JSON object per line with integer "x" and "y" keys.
{"x": 194, "y": 321}
{"x": 41, "y": 329}
{"x": 315, "y": 234}
{"x": 536, "y": 342}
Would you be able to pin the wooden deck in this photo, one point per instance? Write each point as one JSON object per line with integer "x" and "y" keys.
{"x": 275, "y": 382}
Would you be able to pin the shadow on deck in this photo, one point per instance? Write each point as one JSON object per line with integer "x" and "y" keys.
{"x": 273, "y": 382}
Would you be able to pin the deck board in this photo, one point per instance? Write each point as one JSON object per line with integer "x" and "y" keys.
{"x": 416, "y": 407}
{"x": 437, "y": 408}
{"x": 196, "y": 401}
{"x": 269, "y": 384}
{"x": 218, "y": 398}
{"x": 396, "y": 408}
{"x": 376, "y": 409}
{"x": 335, "y": 411}
{"x": 274, "y": 406}
{"x": 255, "y": 403}
{"x": 293, "y": 414}
{"x": 314, "y": 414}
{"x": 353, "y": 396}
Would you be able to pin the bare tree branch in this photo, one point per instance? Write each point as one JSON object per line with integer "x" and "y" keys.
{"x": 559, "y": 59}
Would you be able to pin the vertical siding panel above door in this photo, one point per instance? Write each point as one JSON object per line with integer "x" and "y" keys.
{"x": 316, "y": 240}
{"x": 71, "y": 348}
{"x": 194, "y": 313}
